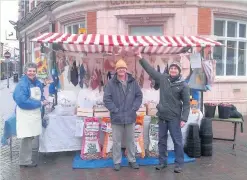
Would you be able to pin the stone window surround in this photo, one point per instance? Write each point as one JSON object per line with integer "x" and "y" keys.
{"x": 73, "y": 18}
{"x": 71, "y": 25}
{"x": 235, "y": 15}
{"x": 239, "y": 20}
{"x": 143, "y": 26}
{"x": 236, "y": 39}
{"x": 144, "y": 19}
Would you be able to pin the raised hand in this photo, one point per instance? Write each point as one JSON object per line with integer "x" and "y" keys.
{"x": 138, "y": 54}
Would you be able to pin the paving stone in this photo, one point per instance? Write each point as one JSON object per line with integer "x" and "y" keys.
{"x": 225, "y": 164}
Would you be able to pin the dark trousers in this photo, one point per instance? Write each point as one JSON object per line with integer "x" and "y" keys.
{"x": 176, "y": 135}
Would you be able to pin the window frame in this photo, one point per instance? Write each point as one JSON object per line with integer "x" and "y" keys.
{"x": 74, "y": 23}
{"x": 236, "y": 39}
{"x": 149, "y": 25}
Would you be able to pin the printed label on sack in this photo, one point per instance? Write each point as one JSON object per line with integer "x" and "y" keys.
{"x": 90, "y": 140}
{"x": 153, "y": 137}
{"x": 109, "y": 144}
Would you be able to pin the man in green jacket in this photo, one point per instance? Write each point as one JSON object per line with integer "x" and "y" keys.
{"x": 173, "y": 110}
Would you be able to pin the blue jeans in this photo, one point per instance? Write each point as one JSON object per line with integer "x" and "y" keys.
{"x": 176, "y": 135}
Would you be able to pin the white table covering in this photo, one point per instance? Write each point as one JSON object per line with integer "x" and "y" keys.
{"x": 60, "y": 134}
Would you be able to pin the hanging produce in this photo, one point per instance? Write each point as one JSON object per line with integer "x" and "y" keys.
{"x": 100, "y": 80}
{"x": 94, "y": 79}
{"x": 61, "y": 62}
{"x": 70, "y": 63}
{"x": 166, "y": 70}
{"x": 151, "y": 82}
{"x": 156, "y": 84}
{"x": 108, "y": 75}
{"x": 82, "y": 75}
{"x": 109, "y": 65}
{"x": 87, "y": 77}
{"x": 141, "y": 79}
{"x": 209, "y": 67}
{"x": 136, "y": 74}
{"x": 74, "y": 74}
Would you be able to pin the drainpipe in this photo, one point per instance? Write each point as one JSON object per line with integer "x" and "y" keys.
{"x": 25, "y": 49}
{"x": 53, "y": 54}
{"x": 19, "y": 38}
{"x": 21, "y": 57}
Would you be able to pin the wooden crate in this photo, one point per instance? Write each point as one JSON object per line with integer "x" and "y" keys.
{"x": 152, "y": 112}
{"x": 101, "y": 112}
{"x": 84, "y": 112}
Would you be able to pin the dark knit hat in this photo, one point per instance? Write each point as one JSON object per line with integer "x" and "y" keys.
{"x": 176, "y": 64}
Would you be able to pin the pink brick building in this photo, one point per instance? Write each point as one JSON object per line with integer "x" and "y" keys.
{"x": 223, "y": 21}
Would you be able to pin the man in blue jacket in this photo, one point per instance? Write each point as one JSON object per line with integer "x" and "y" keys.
{"x": 123, "y": 97}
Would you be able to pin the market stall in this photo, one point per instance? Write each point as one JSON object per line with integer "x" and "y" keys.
{"x": 83, "y": 65}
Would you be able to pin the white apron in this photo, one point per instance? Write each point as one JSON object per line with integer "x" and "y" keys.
{"x": 28, "y": 122}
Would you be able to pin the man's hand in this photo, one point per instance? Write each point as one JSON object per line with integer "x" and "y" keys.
{"x": 138, "y": 54}
{"x": 45, "y": 102}
{"x": 182, "y": 123}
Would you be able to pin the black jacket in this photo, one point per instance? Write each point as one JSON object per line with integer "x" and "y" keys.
{"x": 174, "y": 101}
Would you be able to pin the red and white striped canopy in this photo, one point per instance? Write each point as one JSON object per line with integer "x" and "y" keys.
{"x": 98, "y": 43}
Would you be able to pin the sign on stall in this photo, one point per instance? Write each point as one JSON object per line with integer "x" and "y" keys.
{"x": 82, "y": 31}
{"x": 195, "y": 60}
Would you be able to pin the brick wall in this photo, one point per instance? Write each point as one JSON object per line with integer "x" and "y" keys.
{"x": 204, "y": 21}
{"x": 91, "y": 22}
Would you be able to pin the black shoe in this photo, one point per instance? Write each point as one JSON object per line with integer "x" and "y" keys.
{"x": 117, "y": 167}
{"x": 134, "y": 165}
{"x": 28, "y": 165}
{"x": 178, "y": 169}
{"x": 161, "y": 166}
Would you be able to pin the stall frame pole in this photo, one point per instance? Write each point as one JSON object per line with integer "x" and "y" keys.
{"x": 53, "y": 57}
{"x": 201, "y": 98}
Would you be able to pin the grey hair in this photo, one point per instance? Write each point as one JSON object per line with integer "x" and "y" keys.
{"x": 29, "y": 65}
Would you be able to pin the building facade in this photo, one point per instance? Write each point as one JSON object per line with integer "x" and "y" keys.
{"x": 219, "y": 20}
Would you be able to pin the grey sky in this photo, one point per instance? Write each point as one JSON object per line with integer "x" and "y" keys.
{"x": 8, "y": 11}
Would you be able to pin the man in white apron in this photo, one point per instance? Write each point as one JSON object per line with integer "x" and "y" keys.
{"x": 29, "y": 98}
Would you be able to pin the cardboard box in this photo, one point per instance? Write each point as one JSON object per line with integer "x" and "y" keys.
{"x": 101, "y": 112}
{"x": 152, "y": 112}
{"x": 100, "y": 109}
{"x": 151, "y": 109}
{"x": 84, "y": 112}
